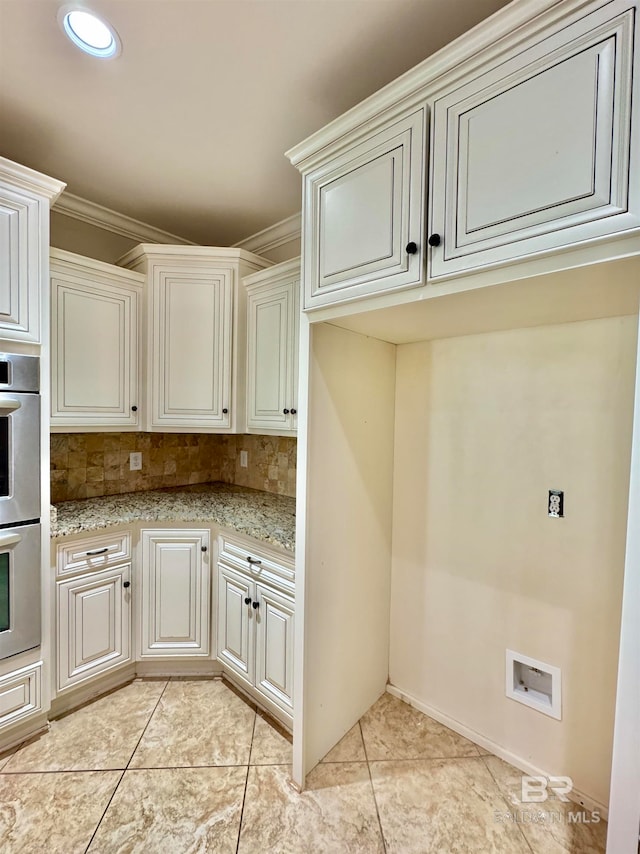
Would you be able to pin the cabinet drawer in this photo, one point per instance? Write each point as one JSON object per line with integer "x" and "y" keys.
{"x": 94, "y": 553}
{"x": 259, "y": 562}
{"x": 20, "y": 694}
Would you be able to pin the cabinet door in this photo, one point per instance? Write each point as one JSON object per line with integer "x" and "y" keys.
{"x": 191, "y": 348}
{"x": 274, "y": 647}
{"x": 235, "y": 645}
{"x": 361, "y": 211}
{"x": 94, "y": 353}
{"x": 272, "y": 357}
{"x": 535, "y": 154}
{"x": 94, "y": 624}
{"x": 175, "y": 593}
{"x": 20, "y": 267}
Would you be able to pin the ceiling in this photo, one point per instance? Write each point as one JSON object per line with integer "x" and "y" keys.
{"x": 186, "y": 130}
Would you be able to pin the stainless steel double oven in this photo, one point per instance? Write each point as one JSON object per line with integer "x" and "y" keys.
{"x": 20, "y": 546}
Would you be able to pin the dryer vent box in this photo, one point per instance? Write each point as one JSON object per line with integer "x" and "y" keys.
{"x": 534, "y": 683}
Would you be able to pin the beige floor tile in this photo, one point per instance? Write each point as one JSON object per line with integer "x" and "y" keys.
{"x": 394, "y": 730}
{"x": 271, "y": 745}
{"x": 349, "y": 749}
{"x": 442, "y": 805}
{"x": 547, "y": 825}
{"x": 52, "y": 813}
{"x": 100, "y": 736}
{"x": 335, "y": 813}
{"x": 201, "y": 722}
{"x": 181, "y": 810}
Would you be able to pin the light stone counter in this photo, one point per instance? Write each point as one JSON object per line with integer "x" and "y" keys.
{"x": 263, "y": 515}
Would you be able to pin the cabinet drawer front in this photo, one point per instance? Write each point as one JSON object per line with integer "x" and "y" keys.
{"x": 535, "y": 155}
{"x": 94, "y": 625}
{"x": 94, "y": 553}
{"x": 274, "y": 647}
{"x": 362, "y": 211}
{"x": 258, "y": 563}
{"x": 20, "y": 694}
{"x": 235, "y": 617}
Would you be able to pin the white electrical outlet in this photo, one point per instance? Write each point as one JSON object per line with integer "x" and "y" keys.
{"x": 135, "y": 461}
{"x": 244, "y": 459}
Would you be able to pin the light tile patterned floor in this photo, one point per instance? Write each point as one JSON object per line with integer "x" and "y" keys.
{"x": 188, "y": 766}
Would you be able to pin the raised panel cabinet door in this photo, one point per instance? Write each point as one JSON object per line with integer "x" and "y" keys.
{"x": 361, "y": 212}
{"x": 535, "y": 155}
{"x": 19, "y": 266}
{"x": 272, "y": 357}
{"x": 235, "y": 637}
{"x": 94, "y": 354}
{"x": 274, "y": 646}
{"x": 94, "y": 624}
{"x": 192, "y": 338}
{"x": 175, "y": 593}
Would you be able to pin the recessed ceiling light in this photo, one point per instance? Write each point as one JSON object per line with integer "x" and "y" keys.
{"x": 89, "y": 32}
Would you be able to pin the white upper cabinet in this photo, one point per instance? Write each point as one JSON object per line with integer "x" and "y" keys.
{"x": 25, "y": 197}
{"x": 272, "y": 348}
{"x": 363, "y": 216}
{"x": 534, "y": 154}
{"x": 95, "y": 317}
{"x": 196, "y": 335}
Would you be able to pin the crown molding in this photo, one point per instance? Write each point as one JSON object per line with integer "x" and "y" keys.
{"x": 30, "y": 180}
{"x": 275, "y": 235}
{"x": 101, "y": 217}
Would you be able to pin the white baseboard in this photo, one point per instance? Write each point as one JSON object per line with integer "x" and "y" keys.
{"x": 167, "y": 668}
{"x": 518, "y": 762}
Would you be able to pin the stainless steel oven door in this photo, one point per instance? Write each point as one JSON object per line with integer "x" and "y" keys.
{"x": 19, "y": 457}
{"x": 19, "y": 589}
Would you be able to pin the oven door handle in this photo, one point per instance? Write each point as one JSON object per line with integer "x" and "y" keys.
{"x": 9, "y": 540}
{"x": 9, "y": 403}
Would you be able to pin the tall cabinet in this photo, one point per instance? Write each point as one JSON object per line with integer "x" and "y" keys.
{"x": 196, "y": 335}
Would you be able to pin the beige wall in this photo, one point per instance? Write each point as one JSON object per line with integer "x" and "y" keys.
{"x": 89, "y": 240}
{"x": 485, "y": 426}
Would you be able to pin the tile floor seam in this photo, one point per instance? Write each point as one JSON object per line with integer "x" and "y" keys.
{"x": 504, "y": 798}
{"x": 373, "y": 790}
{"x": 427, "y": 759}
{"x": 246, "y": 782}
{"x": 113, "y": 794}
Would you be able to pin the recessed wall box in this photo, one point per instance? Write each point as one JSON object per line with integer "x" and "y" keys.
{"x": 534, "y": 683}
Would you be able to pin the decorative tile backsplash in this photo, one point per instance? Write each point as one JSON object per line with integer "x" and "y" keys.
{"x": 84, "y": 465}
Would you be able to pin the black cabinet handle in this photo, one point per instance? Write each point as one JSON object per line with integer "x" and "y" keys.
{"x": 294, "y": 411}
{"x": 434, "y": 240}
{"x": 203, "y": 548}
{"x": 255, "y": 606}
{"x": 134, "y": 408}
{"x": 247, "y": 600}
{"x": 285, "y": 411}
{"x": 225, "y": 411}
{"x": 97, "y": 552}
{"x": 412, "y": 248}
{"x": 254, "y": 560}
{"x": 126, "y": 584}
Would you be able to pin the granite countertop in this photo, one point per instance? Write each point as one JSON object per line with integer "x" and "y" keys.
{"x": 263, "y": 515}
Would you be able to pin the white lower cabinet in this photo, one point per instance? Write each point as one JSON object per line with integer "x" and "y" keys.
{"x": 94, "y": 624}
{"x": 175, "y": 593}
{"x": 20, "y": 694}
{"x": 255, "y": 624}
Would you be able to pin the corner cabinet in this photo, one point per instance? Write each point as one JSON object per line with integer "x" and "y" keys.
{"x": 272, "y": 349}
{"x": 95, "y": 341}
{"x": 25, "y": 199}
{"x": 196, "y": 335}
{"x": 255, "y": 625}
{"x": 363, "y": 213}
{"x": 534, "y": 155}
{"x": 175, "y": 592}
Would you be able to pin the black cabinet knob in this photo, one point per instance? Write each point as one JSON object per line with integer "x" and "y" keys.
{"x": 203, "y": 548}
{"x": 247, "y": 600}
{"x": 285, "y": 411}
{"x": 126, "y": 584}
{"x": 255, "y": 606}
{"x": 225, "y": 411}
{"x": 434, "y": 240}
{"x": 134, "y": 408}
{"x": 412, "y": 248}
{"x": 294, "y": 411}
